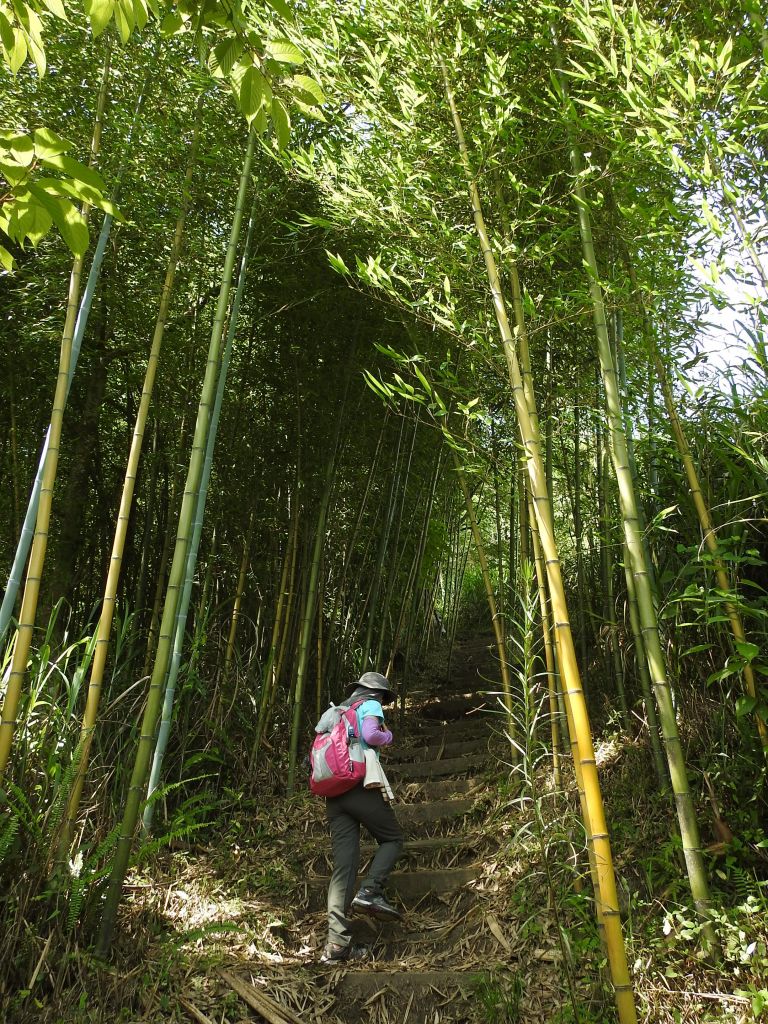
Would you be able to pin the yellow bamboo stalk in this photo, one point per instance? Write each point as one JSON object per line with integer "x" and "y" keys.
{"x": 31, "y": 596}
{"x": 595, "y": 821}
{"x": 549, "y": 654}
{"x": 123, "y": 516}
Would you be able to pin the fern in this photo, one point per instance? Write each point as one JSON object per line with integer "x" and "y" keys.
{"x": 8, "y": 835}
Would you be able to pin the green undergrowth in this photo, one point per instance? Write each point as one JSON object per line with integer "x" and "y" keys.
{"x": 545, "y": 879}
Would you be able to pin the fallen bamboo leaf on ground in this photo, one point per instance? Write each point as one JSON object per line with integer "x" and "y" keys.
{"x": 495, "y": 927}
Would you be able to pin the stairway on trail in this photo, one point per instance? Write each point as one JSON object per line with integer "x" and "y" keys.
{"x": 427, "y": 967}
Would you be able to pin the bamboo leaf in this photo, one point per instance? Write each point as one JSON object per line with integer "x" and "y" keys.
{"x": 99, "y": 14}
{"x": 745, "y": 705}
{"x": 724, "y": 57}
{"x": 285, "y": 52}
{"x": 6, "y": 259}
{"x": 282, "y": 122}
{"x": 425, "y": 383}
{"x": 74, "y": 169}
{"x": 337, "y": 263}
{"x": 252, "y": 90}
{"x": 747, "y": 650}
{"x": 48, "y": 144}
{"x": 67, "y": 219}
{"x": 308, "y": 90}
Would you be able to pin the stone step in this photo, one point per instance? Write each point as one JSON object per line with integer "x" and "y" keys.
{"x": 438, "y": 810}
{"x": 411, "y": 886}
{"x": 438, "y": 751}
{"x": 434, "y": 769}
{"x": 459, "y": 706}
{"x": 435, "y": 790}
{"x": 476, "y": 726}
{"x": 409, "y": 987}
{"x": 386, "y": 939}
{"x": 407, "y": 887}
{"x": 416, "y": 847}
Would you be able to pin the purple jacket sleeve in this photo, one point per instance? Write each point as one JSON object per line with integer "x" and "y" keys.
{"x": 373, "y": 734}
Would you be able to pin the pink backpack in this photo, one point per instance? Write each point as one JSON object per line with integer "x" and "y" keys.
{"x": 336, "y": 755}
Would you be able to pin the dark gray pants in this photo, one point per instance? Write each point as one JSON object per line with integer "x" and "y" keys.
{"x": 346, "y": 813}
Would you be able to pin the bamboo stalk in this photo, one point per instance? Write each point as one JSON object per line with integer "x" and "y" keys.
{"x": 41, "y": 499}
{"x": 184, "y": 598}
{"x": 708, "y": 528}
{"x": 498, "y": 630}
{"x": 121, "y": 530}
{"x": 76, "y": 320}
{"x": 595, "y": 821}
{"x": 241, "y": 580}
{"x": 310, "y": 606}
{"x": 689, "y": 829}
{"x": 549, "y": 654}
{"x": 271, "y": 669}
{"x": 175, "y": 583}
{"x": 392, "y": 574}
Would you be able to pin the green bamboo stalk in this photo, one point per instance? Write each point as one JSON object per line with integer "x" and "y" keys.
{"x": 393, "y": 571}
{"x": 606, "y": 573}
{"x": 595, "y": 819}
{"x": 708, "y": 528}
{"x": 349, "y": 550}
{"x": 175, "y": 583}
{"x": 126, "y": 501}
{"x": 310, "y": 605}
{"x": 579, "y": 533}
{"x": 271, "y": 669}
{"x": 549, "y": 654}
{"x": 498, "y": 631}
{"x": 182, "y": 609}
{"x": 239, "y": 592}
{"x": 41, "y": 498}
{"x": 689, "y": 829}
{"x": 386, "y": 528}
{"x": 80, "y": 313}
{"x": 307, "y": 624}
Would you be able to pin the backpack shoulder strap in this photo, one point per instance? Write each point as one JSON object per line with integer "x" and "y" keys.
{"x": 351, "y": 715}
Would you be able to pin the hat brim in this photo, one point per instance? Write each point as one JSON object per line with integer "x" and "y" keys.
{"x": 385, "y": 694}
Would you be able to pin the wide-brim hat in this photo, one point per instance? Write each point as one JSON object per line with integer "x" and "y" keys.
{"x": 375, "y": 682}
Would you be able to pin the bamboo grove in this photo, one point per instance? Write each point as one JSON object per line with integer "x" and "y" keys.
{"x": 326, "y": 334}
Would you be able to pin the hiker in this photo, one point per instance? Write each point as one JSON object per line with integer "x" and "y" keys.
{"x": 346, "y": 813}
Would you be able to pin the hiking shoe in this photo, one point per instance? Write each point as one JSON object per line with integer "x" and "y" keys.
{"x": 335, "y": 953}
{"x": 376, "y": 905}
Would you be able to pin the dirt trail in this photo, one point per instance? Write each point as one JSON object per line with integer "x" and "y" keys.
{"x": 429, "y": 967}
{"x": 455, "y": 958}
{"x": 447, "y": 958}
